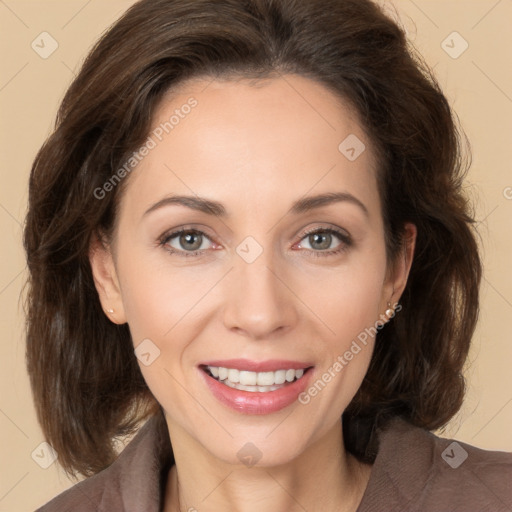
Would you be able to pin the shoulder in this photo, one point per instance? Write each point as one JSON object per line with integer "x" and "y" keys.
{"x": 134, "y": 481}
{"x": 420, "y": 471}
{"x": 91, "y": 493}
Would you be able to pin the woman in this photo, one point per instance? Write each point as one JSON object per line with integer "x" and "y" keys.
{"x": 247, "y": 237}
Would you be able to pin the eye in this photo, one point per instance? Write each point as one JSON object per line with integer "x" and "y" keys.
{"x": 184, "y": 242}
{"x": 192, "y": 242}
{"x": 320, "y": 241}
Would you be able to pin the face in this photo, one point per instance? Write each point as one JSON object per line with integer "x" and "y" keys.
{"x": 261, "y": 285}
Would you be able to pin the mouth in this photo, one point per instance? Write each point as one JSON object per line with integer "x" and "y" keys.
{"x": 261, "y": 382}
{"x": 251, "y": 387}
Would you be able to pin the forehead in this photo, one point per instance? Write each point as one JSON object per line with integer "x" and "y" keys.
{"x": 253, "y": 144}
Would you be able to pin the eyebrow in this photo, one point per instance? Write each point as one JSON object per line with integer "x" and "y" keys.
{"x": 302, "y": 205}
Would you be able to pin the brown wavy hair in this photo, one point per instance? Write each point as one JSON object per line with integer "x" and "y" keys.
{"x": 87, "y": 385}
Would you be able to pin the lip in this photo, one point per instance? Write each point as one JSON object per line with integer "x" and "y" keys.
{"x": 270, "y": 365}
{"x": 248, "y": 402}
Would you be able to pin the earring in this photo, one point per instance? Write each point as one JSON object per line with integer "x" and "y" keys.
{"x": 390, "y": 311}
{"x": 110, "y": 310}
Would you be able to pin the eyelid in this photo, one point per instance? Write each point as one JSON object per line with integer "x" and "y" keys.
{"x": 342, "y": 235}
{"x": 327, "y": 229}
{"x": 164, "y": 239}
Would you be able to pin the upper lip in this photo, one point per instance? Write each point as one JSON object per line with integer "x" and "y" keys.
{"x": 270, "y": 365}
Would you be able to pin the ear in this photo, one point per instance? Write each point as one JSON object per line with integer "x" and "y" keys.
{"x": 399, "y": 272}
{"x": 106, "y": 280}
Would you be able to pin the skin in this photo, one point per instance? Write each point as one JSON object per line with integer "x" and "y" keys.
{"x": 256, "y": 148}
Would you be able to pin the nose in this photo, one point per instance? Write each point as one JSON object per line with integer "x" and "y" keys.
{"x": 259, "y": 301}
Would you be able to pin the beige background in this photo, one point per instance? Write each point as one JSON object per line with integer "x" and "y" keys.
{"x": 479, "y": 85}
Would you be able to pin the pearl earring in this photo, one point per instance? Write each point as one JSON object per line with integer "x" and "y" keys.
{"x": 390, "y": 311}
{"x": 110, "y": 310}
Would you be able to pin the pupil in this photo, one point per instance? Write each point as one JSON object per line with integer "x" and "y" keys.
{"x": 326, "y": 237}
{"x": 188, "y": 238}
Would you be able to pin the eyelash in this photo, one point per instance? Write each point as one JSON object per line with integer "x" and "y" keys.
{"x": 345, "y": 240}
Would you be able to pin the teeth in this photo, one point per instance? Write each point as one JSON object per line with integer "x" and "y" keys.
{"x": 261, "y": 389}
{"x": 233, "y": 375}
{"x": 280, "y": 377}
{"x": 265, "y": 378}
{"x": 248, "y": 378}
{"x": 254, "y": 381}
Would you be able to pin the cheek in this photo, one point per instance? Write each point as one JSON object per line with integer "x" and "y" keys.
{"x": 347, "y": 299}
{"x": 155, "y": 297}
{"x": 347, "y": 302}
{"x": 161, "y": 310}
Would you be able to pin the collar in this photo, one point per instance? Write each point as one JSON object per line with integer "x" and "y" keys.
{"x": 402, "y": 467}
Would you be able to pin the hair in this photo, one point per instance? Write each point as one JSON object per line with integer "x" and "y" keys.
{"x": 87, "y": 385}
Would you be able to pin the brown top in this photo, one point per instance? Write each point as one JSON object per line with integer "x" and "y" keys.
{"x": 414, "y": 471}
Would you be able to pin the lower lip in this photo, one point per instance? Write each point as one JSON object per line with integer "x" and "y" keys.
{"x": 256, "y": 402}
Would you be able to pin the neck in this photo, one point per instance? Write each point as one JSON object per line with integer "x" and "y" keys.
{"x": 324, "y": 478}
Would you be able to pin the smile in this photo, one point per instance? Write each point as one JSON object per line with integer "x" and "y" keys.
{"x": 263, "y": 382}
{"x": 252, "y": 387}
